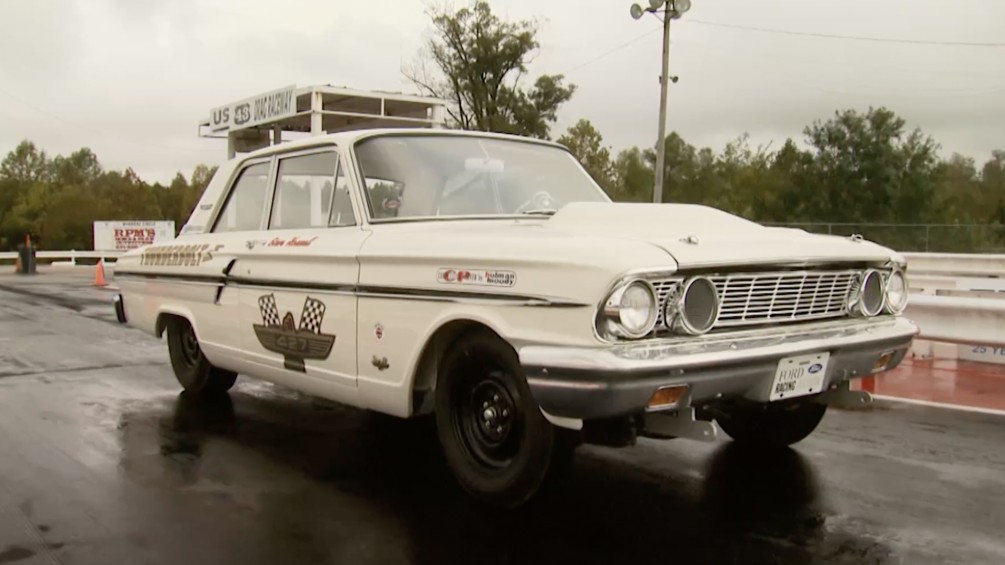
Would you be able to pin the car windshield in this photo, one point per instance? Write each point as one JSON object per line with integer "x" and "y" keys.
{"x": 411, "y": 176}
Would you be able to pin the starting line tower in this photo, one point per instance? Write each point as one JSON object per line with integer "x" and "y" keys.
{"x": 252, "y": 123}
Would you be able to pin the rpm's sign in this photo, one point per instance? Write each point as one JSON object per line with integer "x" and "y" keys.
{"x": 123, "y": 236}
{"x": 250, "y": 112}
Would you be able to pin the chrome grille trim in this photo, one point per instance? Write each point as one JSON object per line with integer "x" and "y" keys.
{"x": 749, "y": 299}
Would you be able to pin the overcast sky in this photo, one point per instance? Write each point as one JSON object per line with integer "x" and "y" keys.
{"x": 131, "y": 79}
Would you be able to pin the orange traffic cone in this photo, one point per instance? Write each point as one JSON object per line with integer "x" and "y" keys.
{"x": 99, "y": 274}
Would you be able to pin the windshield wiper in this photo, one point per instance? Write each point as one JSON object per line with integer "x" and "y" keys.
{"x": 540, "y": 212}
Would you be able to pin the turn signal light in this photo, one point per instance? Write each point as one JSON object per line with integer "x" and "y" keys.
{"x": 882, "y": 362}
{"x": 666, "y": 397}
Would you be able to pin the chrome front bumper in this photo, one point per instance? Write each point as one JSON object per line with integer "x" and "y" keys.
{"x": 588, "y": 383}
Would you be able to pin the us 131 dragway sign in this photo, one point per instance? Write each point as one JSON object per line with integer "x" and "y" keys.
{"x": 250, "y": 112}
{"x": 126, "y": 235}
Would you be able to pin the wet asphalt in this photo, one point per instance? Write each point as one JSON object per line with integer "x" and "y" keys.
{"x": 103, "y": 461}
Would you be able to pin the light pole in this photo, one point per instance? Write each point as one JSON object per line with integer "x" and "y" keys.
{"x": 672, "y": 9}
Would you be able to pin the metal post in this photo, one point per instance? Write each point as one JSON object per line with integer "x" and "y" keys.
{"x": 317, "y": 105}
{"x": 661, "y": 142}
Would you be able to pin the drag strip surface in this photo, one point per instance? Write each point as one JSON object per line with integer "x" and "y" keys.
{"x": 102, "y": 461}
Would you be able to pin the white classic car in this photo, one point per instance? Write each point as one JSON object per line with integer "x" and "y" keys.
{"x": 488, "y": 280}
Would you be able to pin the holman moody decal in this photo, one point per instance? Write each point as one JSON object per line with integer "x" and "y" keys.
{"x": 295, "y": 344}
{"x": 478, "y": 277}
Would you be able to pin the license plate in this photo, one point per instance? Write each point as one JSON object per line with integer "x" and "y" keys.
{"x": 799, "y": 376}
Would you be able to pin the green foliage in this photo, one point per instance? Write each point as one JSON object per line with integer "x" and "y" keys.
{"x": 859, "y": 173}
{"x": 858, "y": 170}
{"x": 57, "y": 200}
{"x": 480, "y": 61}
{"x": 586, "y": 143}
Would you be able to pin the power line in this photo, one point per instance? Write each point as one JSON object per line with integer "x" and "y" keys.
{"x": 847, "y": 37}
{"x": 612, "y": 50}
{"x": 115, "y": 139}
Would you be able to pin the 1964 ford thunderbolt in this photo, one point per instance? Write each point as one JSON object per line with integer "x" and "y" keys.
{"x": 488, "y": 280}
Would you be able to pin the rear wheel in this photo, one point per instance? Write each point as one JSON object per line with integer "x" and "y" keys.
{"x": 193, "y": 371}
{"x": 494, "y": 437}
{"x": 768, "y": 425}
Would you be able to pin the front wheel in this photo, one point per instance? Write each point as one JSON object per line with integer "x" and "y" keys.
{"x": 767, "y": 425}
{"x": 193, "y": 371}
{"x": 494, "y": 437}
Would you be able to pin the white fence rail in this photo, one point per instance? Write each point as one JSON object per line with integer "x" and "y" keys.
{"x": 958, "y": 299}
{"x": 955, "y": 298}
{"x": 956, "y": 264}
{"x": 70, "y": 256}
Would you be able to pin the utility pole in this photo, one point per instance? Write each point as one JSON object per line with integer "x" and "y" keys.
{"x": 672, "y": 9}
{"x": 661, "y": 135}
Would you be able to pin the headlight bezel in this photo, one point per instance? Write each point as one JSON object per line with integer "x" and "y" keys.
{"x": 681, "y": 322}
{"x": 857, "y": 304}
{"x": 610, "y": 322}
{"x": 888, "y": 306}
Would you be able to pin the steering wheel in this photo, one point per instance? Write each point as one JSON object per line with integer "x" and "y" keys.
{"x": 542, "y": 200}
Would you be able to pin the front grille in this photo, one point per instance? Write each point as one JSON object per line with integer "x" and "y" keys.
{"x": 748, "y": 299}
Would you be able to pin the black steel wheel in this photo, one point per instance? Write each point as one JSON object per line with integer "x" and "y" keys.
{"x": 770, "y": 425}
{"x": 194, "y": 372}
{"x": 494, "y": 437}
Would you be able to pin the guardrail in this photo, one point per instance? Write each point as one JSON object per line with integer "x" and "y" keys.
{"x": 956, "y": 264}
{"x": 958, "y": 302}
{"x": 70, "y": 256}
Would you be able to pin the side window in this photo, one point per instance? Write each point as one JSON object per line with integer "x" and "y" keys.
{"x": 304, "y": 187}
{"x": 342, "y": 214}
{"x": 246, "y": 201}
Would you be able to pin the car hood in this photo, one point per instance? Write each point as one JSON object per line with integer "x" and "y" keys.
{"x": 700, "y": 236}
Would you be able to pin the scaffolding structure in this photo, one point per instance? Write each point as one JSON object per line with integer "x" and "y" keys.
{"x": 257, "y": 121}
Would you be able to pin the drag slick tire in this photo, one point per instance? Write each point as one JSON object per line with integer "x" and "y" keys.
{"x": 193, "y": 371}
{"x": 769, "y": 425}
{"x": 494, "y": 438}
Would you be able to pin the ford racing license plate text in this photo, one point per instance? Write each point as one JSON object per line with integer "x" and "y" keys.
{"x": 799, "y": 376}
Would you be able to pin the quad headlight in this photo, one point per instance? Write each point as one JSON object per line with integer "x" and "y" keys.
{"x": 896, "y": 291}
{"x": 879, "y": 292}
{"x": 630, "y": 311}
{"x": 869, "y": 294}
{"x": 695, "y": 309}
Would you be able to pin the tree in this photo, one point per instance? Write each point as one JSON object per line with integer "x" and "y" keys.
{"x": 633, "y": 177}
{"x": 992, "y": 188}
{"x": 480, "y": 61}
{"x": 679, "y": 170}
{"x": 25, "y": 164}
{"x": 586, "y": 143}
{"x": 867, "y": 168}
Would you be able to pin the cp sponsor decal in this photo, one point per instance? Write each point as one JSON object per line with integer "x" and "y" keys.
{"x": 479, "y": 277}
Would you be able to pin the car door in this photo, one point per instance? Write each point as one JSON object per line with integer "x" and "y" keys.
{"x": 219, "y": 250}
{"x": 298, "y": 280}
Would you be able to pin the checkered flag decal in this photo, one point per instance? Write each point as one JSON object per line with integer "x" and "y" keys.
{"x": 310, "y": 318}
{"x": 270, "y": 313}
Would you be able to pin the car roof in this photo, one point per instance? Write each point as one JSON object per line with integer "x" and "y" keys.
{"x": 350, "y": 137}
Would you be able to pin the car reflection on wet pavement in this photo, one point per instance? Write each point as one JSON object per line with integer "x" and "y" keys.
{"x": 374, "y": 489}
